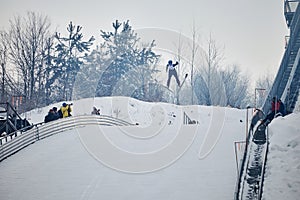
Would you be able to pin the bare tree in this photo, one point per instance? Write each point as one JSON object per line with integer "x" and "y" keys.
{"x": 179, "y": 56}
{"x": 194, "y": 50}
{"x": 9, "y": 85}
{"x": 210, "y": 76}
{"x": 264, "y": 85}
{"x": 236, "y": 86}
{"x": 28, "y": 37}
{"x": 3, "y": 61}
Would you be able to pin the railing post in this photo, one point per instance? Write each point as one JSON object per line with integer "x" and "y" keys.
{"x": 37, "y": 134}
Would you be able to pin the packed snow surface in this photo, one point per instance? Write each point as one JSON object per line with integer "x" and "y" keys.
{"x": 282, "y": 179}
{"x": 163, "y": 157}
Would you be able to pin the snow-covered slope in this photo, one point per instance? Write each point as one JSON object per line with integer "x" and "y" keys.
{"x": 161, "y": 158}
{"x": 282, "y": 179}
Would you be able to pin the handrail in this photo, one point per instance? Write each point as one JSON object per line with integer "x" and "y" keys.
{"x": 294, "y": 33}
{"x": 16, "y": 132}
{"x": 12, "y": 118}
{"x": 288, "y": 85}
{"x": 112, "y": 120}
{"x": 242, "y": 178}
{"x": 245, "y": 166}
{"x": 43, "y": 130}
{"x": 261, "y": 184}
{"x": 242, "y": 167}
{"x": 254, "y": 122}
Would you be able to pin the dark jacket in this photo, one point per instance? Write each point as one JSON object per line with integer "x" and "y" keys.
{"x": 282, "y": 108}
{"x": 275, "y": 106}
{"x": 171, "y": 66}
{"x": 50, "y": 117}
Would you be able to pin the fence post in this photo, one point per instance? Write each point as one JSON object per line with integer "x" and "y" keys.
{"x": 37, "y": 134}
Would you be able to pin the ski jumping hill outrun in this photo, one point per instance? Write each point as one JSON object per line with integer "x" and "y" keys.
{"x": 163, "y": 151}
{"x": 140, "y": 150}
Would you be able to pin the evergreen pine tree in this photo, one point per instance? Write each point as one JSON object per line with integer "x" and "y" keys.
{"x": 71, "y": 51}
{"x": 130, "y": 67}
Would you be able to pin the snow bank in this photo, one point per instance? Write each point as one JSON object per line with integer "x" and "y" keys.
{"x": 63, "y": 166}
{"x": 282, "y": 179}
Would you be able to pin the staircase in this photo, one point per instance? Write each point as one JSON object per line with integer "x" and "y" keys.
{"x": 10, "y": 120}
{"x": 287, "y": 82}
{"x": 286, "y": 87}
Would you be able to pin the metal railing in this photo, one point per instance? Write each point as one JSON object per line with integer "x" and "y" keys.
{"x": 280, "y": 83}
{"x": 242, "y": 169}
{"x": 18, "y": 140}
{"x": 261, "y": 183}
{"x": 242, "y": 177}
{"x": 290, "y": 7}
{"x": 12, "y": 120}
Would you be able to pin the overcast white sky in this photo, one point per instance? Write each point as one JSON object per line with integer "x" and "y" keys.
{"x": 252, "y": 31}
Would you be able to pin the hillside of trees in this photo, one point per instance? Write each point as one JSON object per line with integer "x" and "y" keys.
{"x": 40, "y": 67}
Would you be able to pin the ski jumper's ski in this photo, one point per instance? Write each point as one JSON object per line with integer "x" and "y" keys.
{"x": 186, "y": 75}
{"x": 179, "y": 87}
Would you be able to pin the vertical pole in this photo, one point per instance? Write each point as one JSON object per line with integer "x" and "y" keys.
{"x": 3, "y": 80}
{"x": 192, "y": 83}
{"x": 7, "y": 118}
{"x": 236, "y": 159}
{"x": 255, "y": 98}
{"x": 247, "y": 126}
{"x": 287, "y": 103}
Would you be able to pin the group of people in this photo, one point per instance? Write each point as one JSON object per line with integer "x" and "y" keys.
{"x": 54, "y": 114}
{"x": 64, "y": 111}
{"x": 277, "y": 109}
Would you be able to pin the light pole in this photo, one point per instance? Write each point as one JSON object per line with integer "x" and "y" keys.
{"x": 262, "y": 89}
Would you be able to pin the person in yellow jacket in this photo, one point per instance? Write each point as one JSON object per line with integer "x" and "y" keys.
{"x": 66, "y": 110}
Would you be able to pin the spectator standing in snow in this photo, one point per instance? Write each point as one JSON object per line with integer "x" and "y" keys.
{"x": 56, "y": 115}
{"x": 281, "y": 108}
{"x": 258, "y": 115}
{"x": 66, "y": 110}
{"x": 275, "y": 109}
{"x": 172, "y": 72}
{"x": 95, "y": 111}
{"x": 50, "y": 116}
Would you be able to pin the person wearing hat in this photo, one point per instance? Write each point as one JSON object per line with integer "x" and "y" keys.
{"x": 282, "y": 110}
{"x": 172, "y": 72}
{"x": 50, "y": 116}
{"x": 257, "y": 116}
{"x": 275, "y": 107}
{"x": 56, "y": 115}
{"x": 66, "y": 110}
{"x": 95, "y": 111}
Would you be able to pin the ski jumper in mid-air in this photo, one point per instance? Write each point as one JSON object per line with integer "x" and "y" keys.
{"x": 172, "y": 72}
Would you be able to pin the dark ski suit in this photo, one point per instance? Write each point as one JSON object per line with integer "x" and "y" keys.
{"x": 172, "y": 72}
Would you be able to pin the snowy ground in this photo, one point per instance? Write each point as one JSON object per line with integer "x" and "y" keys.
{"x": 162, "y": 158}
{"x": 182, "y": 161}
{"x": 282, "y": 179}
